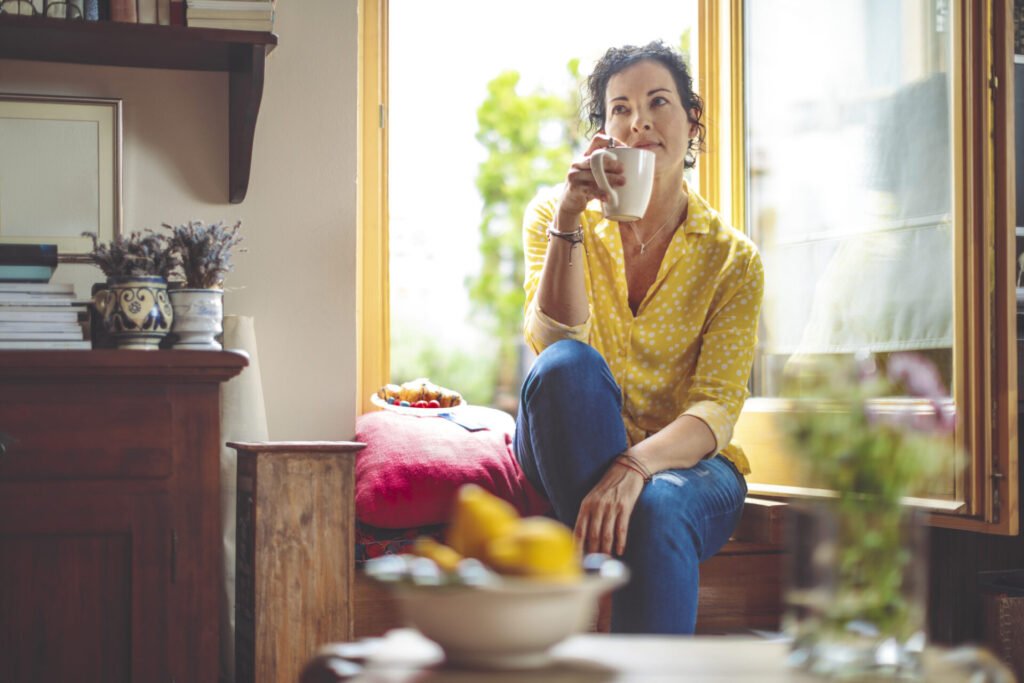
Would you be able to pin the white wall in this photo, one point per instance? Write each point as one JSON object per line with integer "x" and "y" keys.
{"x": 299, "y": 216}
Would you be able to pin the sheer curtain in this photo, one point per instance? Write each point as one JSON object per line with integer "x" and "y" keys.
{"x": 849, "y": 171}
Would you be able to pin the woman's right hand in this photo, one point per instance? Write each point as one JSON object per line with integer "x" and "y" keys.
{"x": 580, "y": 184}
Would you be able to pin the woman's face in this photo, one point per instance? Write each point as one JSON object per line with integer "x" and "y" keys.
{"x": 643, "y": 109}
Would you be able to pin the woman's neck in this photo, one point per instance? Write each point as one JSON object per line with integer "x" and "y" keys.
{"x": 668, "y": 197}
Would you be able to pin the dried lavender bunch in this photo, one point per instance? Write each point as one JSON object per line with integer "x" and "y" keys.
{"x": 139, "y": 254}
{"x": 204, "y": 252}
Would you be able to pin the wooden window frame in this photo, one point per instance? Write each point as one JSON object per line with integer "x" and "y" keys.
{"x": 985, "y": 361}
{"x": 986, "y": 382}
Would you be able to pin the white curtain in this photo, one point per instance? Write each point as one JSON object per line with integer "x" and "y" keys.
{"x": 849, "y": 168}
{"x": 242, "y": 418}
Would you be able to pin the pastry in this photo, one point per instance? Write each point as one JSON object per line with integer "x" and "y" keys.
{"x": 421, "y": 391}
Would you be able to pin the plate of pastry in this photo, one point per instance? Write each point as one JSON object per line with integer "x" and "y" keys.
{"x": 417, "y": 397}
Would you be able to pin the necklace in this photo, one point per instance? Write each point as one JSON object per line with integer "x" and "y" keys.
{"x": 643, "y": 245}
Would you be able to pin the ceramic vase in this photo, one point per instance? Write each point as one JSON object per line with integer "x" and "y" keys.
{"x": 198, "y": 318}
{"x": 135, "y": 312}
{"x": 856, "y": 590}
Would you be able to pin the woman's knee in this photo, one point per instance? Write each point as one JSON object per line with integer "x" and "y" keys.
{"x": 567, "y": 357}
{"x": 564, "y": 366}
{"x": 661, "y": 512}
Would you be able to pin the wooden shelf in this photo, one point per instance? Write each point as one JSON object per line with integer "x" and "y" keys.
{"x": 240, "y": 53}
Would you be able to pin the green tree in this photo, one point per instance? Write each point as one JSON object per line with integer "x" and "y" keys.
{"x": 529, "y": 139}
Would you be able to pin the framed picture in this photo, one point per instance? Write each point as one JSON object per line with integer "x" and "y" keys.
{"x": 60, "y": 171}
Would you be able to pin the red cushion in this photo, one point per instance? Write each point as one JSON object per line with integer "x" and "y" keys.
{"x": 412, "y": 466}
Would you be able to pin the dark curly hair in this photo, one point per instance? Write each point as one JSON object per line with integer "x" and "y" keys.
{"x": 618, "y": 58}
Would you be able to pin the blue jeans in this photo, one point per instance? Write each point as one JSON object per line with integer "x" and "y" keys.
{"x": 569, "y": 430}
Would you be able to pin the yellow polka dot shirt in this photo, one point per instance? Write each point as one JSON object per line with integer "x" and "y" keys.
{"x": 689, "y": 349}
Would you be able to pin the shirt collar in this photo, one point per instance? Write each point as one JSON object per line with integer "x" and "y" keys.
{"x": 698, "y": 217}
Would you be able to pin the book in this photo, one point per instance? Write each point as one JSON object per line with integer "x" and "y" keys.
{"x": 52, "y": 345}
{"x": 61, "y": 314}
{"x": 38, "y": 287}
{"x": 36, "y": 326}
{"x": 251, "y": 15}
{"x": 163, "y": 12}
{"x": 177, "y": 12}
{"x": 35, "y": 299}
{"x": 91, "y": 10}
{"x": 232, "y": 5}
{"x": 24, "y": 273}
{"x": 145, "y": 11}
{"x": 41, "y": 336}
{"x": 123, "y": 10}
{"x": 232, "y": 24}
{"x": 28, "y": 255}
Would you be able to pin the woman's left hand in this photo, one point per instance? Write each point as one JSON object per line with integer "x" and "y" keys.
{"x": 603, "y": 520}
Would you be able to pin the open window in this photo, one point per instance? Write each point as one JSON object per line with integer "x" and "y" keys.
{"x": 867, "y": 149}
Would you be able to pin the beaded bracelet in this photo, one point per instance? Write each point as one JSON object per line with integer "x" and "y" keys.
{"x": 573, "y": 238}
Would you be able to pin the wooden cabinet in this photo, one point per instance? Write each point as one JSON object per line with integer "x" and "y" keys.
{"x": 109, "y": 514}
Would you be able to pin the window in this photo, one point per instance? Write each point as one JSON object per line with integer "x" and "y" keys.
{"x": 478, "y": 123}
{"x": 888, "y": 82}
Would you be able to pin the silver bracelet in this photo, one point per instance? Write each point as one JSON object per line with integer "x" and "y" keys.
{"x": 573, "y": 238}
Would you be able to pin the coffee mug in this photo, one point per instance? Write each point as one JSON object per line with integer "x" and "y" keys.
{"x": 629, "y": 202}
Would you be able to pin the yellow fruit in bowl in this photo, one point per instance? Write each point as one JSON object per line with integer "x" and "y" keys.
{"x": 537, "y": 547}
{"x": 445, "y": 557}
{"x": 477, "y": 518}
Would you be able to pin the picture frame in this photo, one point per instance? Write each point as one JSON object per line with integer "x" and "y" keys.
{"x": 60, "y": 173}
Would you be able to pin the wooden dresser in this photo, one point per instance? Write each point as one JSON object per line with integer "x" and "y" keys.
{"x": 110, "y": 556}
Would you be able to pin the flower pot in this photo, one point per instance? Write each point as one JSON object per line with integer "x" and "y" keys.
{"x": 198, "y": 318}
{"x": 135, "y": 312}
{"x": 857, "y": 588}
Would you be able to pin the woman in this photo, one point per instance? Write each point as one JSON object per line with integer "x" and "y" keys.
{"x": 646, "y": 335}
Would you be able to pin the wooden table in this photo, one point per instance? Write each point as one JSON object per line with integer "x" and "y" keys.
{"x": 405, "y": 656}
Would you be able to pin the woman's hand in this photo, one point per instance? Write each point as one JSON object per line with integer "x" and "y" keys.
{"x": 580, "y": 185}
{"x": 603, "y": 521}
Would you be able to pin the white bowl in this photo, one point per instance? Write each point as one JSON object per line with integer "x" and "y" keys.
{"x": 508, "y": 624}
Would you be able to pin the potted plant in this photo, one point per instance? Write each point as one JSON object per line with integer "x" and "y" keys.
{"x": 203, "y": 254}
{"x": 857, "y": 584}
{"x": 133, "y": 306}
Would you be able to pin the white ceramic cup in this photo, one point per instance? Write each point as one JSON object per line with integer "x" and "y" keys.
{"x": 628, "y": 202}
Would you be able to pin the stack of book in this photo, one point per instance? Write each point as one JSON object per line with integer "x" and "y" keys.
{"x": 34, "y": 312}
{"x": 238, "y": 15}
{"x": 42, "y": 315}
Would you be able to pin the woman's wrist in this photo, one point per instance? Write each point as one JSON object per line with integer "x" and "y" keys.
{"x": 566, "y": 222}
{"x": 628, "y": 461}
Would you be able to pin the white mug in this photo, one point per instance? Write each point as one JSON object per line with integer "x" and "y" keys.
{"x": 629, "y": 202}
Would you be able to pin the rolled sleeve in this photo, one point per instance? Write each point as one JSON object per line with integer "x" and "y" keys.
{"x": 541, "y": 330}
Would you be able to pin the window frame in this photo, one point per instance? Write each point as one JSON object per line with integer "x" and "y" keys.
{"x": 985, "y": 340}
{"x": 985, "y": 305}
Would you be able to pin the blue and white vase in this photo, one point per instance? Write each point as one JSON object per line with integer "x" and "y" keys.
{"x": 135, "y": 312}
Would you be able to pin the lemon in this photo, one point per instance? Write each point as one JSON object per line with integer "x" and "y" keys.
{"x": 445, "y": 557}
{"x": 477, "y": 518}
{"x": 536, "y": 546}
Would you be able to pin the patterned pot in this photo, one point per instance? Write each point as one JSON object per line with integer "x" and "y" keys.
{"x": 198, "y": 318}
{"x": 135, "y": 312}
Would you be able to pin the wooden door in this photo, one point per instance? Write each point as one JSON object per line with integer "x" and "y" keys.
{"x": 83, "y": 586}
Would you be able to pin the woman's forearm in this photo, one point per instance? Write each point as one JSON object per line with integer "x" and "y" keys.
{"x": 680, "y": 445}
{"x": 561, "y": 293}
